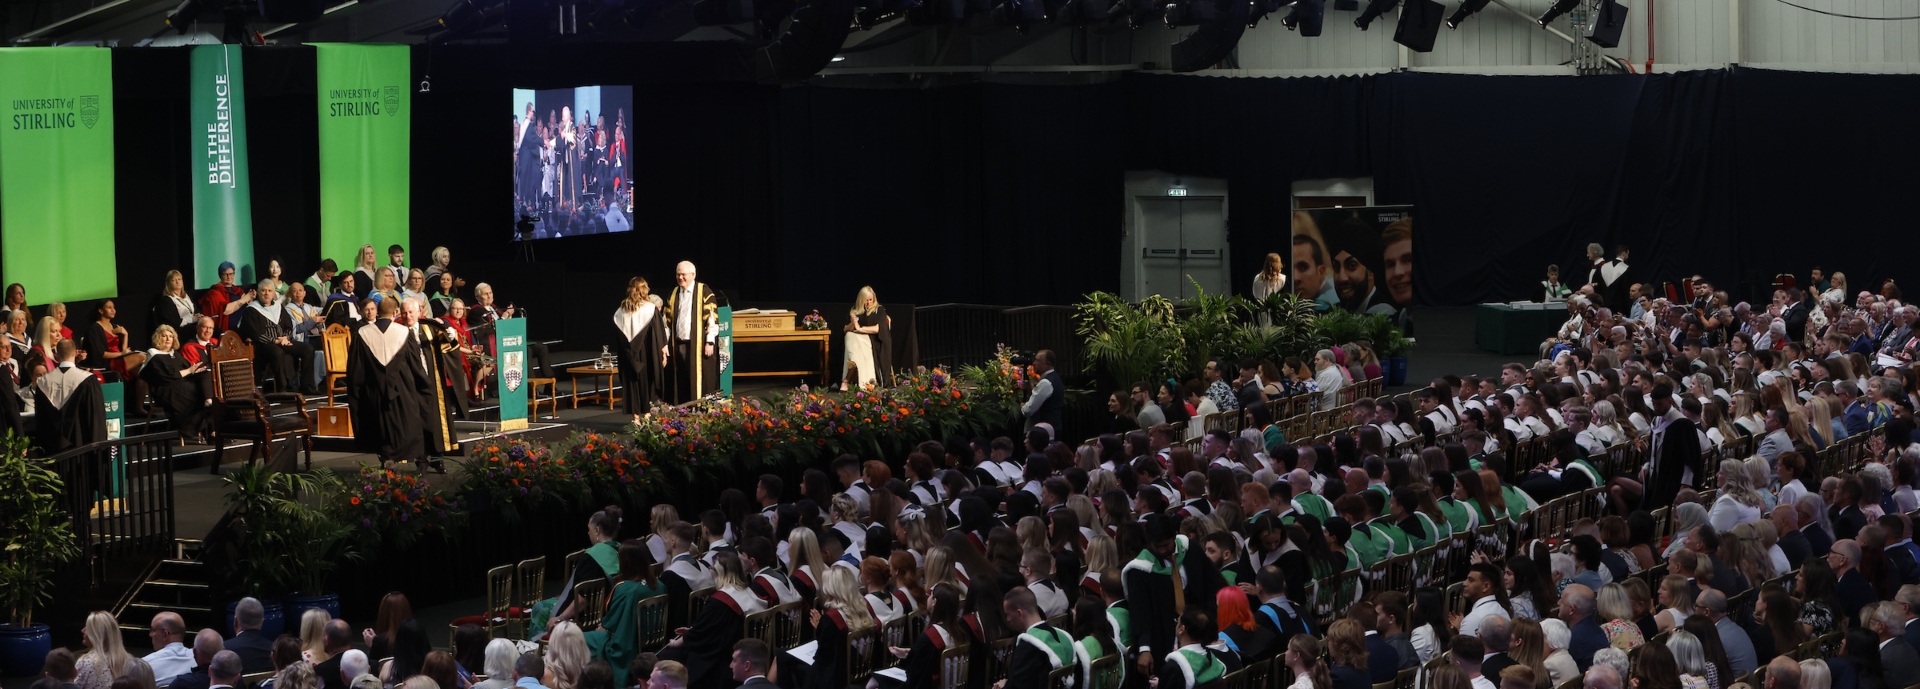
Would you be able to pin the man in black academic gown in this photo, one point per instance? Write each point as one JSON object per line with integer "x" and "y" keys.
{"x": 693, "y": 325}
{"x": 444, "y": 400}
{"x": 342, "y": 308}
{"x": 68, "y": 408}
{"x": 1153, "y": 598}
{"x": 1039, "y": 649}
{"x": 386, "y": 384}
{"x": 1674, "y": 451}
{"x": 269, "y": 326}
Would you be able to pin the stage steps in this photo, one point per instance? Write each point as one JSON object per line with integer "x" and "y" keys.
{"x": 178, "y": 584}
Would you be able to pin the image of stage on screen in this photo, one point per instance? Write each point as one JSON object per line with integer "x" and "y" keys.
{"x": 1357, "y": 259}
{"x": 571, "y": 161}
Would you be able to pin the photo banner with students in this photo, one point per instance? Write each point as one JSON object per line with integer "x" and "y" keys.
{"x": 1358, "y": 259}
{"x": 365, "y": 148}
{"x": 217, "y": 137}
{"x": 56, "y": 172}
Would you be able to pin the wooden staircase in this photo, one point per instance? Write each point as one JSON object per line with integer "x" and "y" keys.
{"x": 177, "y": 583}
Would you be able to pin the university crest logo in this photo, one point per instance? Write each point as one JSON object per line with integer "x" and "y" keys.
{"x": 89, "y": 110}
{"x": 392, "y": 100}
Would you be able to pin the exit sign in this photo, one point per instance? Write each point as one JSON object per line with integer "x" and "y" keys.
{"x": 1176, "y": 192}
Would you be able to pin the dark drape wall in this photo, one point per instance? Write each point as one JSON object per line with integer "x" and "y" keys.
{"x": 1011, "y": 194}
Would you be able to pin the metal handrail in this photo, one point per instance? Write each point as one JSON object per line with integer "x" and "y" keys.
{"x": 119, "y": 498}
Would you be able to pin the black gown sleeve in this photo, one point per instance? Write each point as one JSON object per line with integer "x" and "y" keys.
{"x": 708, "y": 643}
{"x": 1028, "y": 667}
{"x": 883, "y": 348}
{"x": 922, "y": 664}
{"x": 95, "y": 345}
{"x": 829, "y": 659}
{"x": 677, "y": 593}
{"x": 1170, "y": 676}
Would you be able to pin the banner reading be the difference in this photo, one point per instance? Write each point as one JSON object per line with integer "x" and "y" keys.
{"x": 222, "y": 198}
{"x": 365, "y": 142}
{"x": 56, "y": 172}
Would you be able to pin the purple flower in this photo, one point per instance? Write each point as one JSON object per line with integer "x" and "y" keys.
{"x": 366, "y": 489}
{"x": 405, "y": 516}
{"x": 366, "y": 522}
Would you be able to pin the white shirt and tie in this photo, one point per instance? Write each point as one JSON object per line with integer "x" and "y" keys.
{"x": 172, "y": 660}
{"x": 683, "y": 320}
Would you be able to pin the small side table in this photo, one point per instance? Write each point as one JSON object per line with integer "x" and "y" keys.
{"x": 534, "y": 400}
{"x": 590, "y": 372}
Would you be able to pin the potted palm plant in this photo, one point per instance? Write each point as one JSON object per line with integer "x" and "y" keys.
{"x": 38, "y": 541}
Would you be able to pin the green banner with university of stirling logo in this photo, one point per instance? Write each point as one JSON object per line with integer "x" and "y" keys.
{"x": 217, "y": 136}
{"x": 510, "y": 350}
{"x": 56, "y": 172}
{"x": 365, "y": 148}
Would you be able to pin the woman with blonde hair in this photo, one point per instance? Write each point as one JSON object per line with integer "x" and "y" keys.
{"x": 1528, "y": 646}
{"x": 708, "y": 642}
{"x": 1676, "y": 598}
{"x": 301, "y": 676}
{"x": 940, "y": 569}
{"x": 1031, "y": 533}
{"x": 869, "y": 338}
{"x": 842, "y": 612}
{"x": 173, "y": 305}
{"x": 1269, "y": 281}
{"x": 1616, "y": 608}
{"x": 642, "y": 346}
{"x": 1814, "y": 674}
{"x": 1836, "y": 290}
{"x": 807, "y": 566}
{"x": 313, "y": 635}
{"x": 1102, "y": 556}
{"x": 1347, "y": 653}
{"x": 365, "y": 266}
{"x": 1738, "y": 502}
{"x": 567, "y": 655}
{"x": 661, "y": 518}
{"x": 106, "y": 658}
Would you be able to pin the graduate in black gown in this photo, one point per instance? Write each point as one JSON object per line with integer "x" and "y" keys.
{"x": 177, "y": 385}
{"x": 268, "y": 325}
{"x": 445, "y": 382}
{"x": 1150, "y": 591}
{"x": 1040, "y": 648}
{"x": 708, "y": 643}
{"x": 68, "y": 408}
{"x": 922, "y": 660}
{"x": 882, "y": 343}
{"x": 642, "y": 345}
{"x": 386, "y": 384}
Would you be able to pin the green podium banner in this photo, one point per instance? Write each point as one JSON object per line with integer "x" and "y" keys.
{"x": 217, "y": 136}
{"x": 114, "y": 395}
{"x": 724, "y": 350}
{"x": 511, "y": 367}
{"x": 56, "y": 172}
{"x": 365, "y": 148}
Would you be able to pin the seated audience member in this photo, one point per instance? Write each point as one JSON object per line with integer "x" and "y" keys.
{"x": 58, "y": 671}
{"x": 221, "y": 301}
{"x": 268, "y": 325}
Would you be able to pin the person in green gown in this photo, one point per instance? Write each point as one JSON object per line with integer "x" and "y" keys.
{"x": 602, "y": 562}
{"x": 617, "y": 639}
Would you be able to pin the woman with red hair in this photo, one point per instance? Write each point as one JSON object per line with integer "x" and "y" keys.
{"x": 1237, "y": 629}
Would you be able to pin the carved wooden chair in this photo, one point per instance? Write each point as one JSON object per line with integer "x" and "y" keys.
{"x": 242, "y": 412}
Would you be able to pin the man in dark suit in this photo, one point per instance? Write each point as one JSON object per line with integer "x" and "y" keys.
{"x": 1907, "y": 601}
{"x": 1853, "y": 589}
{"x": 337, "y": 639}
{"x": 1899, "y": 663}
{"x": 224, "y": 670}
{"x": 1495, "y": 634}
{"x": 254, "y": 648}
{"x": 1786, "y": 522}
{"x": 1576, "y": 609}
{"x": 750, "y": 660}
{"x": 206, "y": 645}
{"x": 1383, "y": 661}
{"x": 1899, "y": 548}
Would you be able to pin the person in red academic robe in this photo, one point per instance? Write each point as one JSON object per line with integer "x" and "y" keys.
{"x": 223, "y": 299}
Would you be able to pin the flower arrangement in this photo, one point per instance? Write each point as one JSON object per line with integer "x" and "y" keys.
{"x": 512, "y": 473}
{"x": 1000, "y": 380}
{"x": 813, "y": 321}
{"x": 380, "y": 501}
{"x": 611, "y": 465}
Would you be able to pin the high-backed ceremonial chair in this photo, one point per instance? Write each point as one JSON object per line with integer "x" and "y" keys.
{"x": 241, "y": 412}
{"x": 335, "y": 342}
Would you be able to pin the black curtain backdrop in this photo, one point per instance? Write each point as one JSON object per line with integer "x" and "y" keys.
{"x": 1012, "y": 194}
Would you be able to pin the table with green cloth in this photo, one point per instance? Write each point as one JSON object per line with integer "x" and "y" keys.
{"x": 1506, "y": 330}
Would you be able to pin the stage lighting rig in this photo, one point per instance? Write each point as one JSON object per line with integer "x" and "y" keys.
{"x": 236, "y": 17}
{"x": 1559, "y": 7}
{"x": 1419, "y": 25}
{"x": 1190, "y": 12}
{"x": 1375, "y": 8}
{"x": 1608, "y": 22}
{"x": 1467, "y": 9}
{"x": 1306, "y": 17}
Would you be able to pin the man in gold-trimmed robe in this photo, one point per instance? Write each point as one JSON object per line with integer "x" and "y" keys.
{"x": 693, "y": 320}
{"x": 439, "y": 405}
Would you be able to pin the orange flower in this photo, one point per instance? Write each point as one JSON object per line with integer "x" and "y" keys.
{"x": 354, "y": 501}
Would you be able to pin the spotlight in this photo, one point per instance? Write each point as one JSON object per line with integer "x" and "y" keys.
{"x": 1259, "y": 9}
{"x": 1559, "y": 7}
{"x": 1375, "y": 8}
{"x": 1608, "y": 24}
{"x": 1306, "y": 17}
{"x": 1190, "y": 12}
{"x": 1467, "y": 9}
{"x": 1419, "y": 25}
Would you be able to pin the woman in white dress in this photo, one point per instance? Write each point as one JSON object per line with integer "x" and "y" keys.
{"x": 1269, "y": 281}
{"x": 1738, "y": 503}
{"x": 867, "y": 336}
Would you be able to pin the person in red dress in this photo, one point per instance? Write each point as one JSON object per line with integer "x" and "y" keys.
{"x": 107, "y": 345}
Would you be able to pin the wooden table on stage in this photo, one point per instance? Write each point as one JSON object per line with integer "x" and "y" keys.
{"x": 579, "y": 372}
{"x": 821, "y": 336}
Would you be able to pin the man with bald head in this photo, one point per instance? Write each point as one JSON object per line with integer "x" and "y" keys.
{"x": 1739, "y": 647}
{"x": 1305, "y": 501}
{"x": 1783, "y": 673}
{"x": 206, "y": 645}
{"x": 172, "y": 659}
{"x": 1602, "y": 677}
{"x": 1853, "y": 590}
{"x": 1576, "y": 609}
{"x": 693, "y": 320}
{"x": 1819, "y": 539}
{"x": 337, "y": 639}
{"x": 1786, "y": 522}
